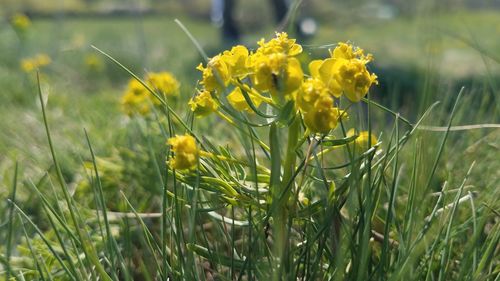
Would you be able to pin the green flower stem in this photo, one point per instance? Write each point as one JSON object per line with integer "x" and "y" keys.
{"x": 281, "y": 217}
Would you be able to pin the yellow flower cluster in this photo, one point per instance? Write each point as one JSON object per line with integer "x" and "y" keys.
{"x": 272, "y": 68}
{"x": 164, "y": 83}
{"x": 33, "y": 63}
{"x": 273, "y": 74}
{"x": 203, "y": 104}
{"x": 275, "y": 68}
{"x": 138, "y": 100}
{"x": 316, "y": 105}
{"x": 345, "y": 72}
{"x": 186, "y": 152}
{"x": 20, "y": 22}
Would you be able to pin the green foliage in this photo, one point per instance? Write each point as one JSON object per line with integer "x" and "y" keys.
{"x": 421, "y": 205}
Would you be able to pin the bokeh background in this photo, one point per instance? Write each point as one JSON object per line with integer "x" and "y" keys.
{"x": 424, "y": 51}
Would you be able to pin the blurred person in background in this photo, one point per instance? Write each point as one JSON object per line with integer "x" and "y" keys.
{"x": 223, "y": 15}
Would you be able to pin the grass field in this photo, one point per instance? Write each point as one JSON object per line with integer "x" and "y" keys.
{"x": 419, "y": 61}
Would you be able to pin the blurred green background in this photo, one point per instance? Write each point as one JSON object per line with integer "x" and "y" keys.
{"x": 424, "y": 51}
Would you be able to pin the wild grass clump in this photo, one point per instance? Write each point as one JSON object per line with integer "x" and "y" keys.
{"x": 275, "y": 170}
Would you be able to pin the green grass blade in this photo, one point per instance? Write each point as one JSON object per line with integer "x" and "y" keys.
{"x": 87, "y": 247}
{"x": 10, "y": 223}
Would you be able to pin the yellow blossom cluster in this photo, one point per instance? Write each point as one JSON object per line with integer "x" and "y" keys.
{"x": 164, "y": 83}
{"x": 273, "y": 74}
{"x": 185, "y": 152}
{"x": 20, "y": 22}
{"x": 275, "y": 67}
{"x": 345, "y": 72}
{"x": 271, "y": 69}
{"x": 203, "y": 104}
{"x": 33, "y": 63}
{"x": 137, "y": 99}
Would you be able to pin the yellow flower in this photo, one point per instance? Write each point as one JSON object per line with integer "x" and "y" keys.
{"x": 163, "y": 82}
{"x": 132, "y": 104}
{"x": 274, "y": 67}
{"x": 316, "y": 105}
{"x": 348, "y": 52}
{"x": 28, "y": 65}
{"x": 38, "y": 61}
{"x": 203, "y": 104}
{"x": 185, "y": 152}
{"x": 310, "y": 91}
{"x": 345, "y": 72}
{"x": 136, "y": 99}
{"x": 323, "y": 117}
{"x": 237, "y": 100}
{"x": 237, "y": 61}
{"x": 20, "y": 22}
{"x": 361, "y": 142}
{"x": 216, "y": 74}
{"x": 355, "y": 79}
{"x": 326, "y": 71}
{"x": 280, "y": 44}
{"x": 276, "y": 73}
{"x": 94, "y": 62}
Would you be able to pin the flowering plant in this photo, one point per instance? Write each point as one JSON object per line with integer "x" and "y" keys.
{"x": 293, "y": 117}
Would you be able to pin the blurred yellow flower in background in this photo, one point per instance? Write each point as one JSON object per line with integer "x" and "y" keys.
{"x": 93, "y": 62}
{"x": 20, "y": 22}
{"x": 163, "y": 82}
{"x": 33, "y": 63}
{"x": 361, "y": 142}
{"x": 137, "y": 99}
{"x": 185, "y": 152}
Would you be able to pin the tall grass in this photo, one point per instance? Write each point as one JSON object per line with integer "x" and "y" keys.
{"x": 420, "y": 204}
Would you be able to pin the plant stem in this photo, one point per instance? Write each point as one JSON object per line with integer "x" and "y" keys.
{"x": 281, "y": 217}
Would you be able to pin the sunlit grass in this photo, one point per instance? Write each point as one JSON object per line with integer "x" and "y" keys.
{"x": 424, "y": 207}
